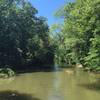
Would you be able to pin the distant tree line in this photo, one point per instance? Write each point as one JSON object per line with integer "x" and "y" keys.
{"x": 24, "y": 37}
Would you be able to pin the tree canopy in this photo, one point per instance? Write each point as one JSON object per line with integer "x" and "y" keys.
{"x": 80, "y": 33}
{"x": 24, "y": 37}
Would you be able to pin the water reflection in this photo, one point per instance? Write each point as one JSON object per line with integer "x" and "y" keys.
{"x": 58, "y": 85}
{"x": 6, "y": 81}
{"x": 13, "y": 95}
{"x": 92, "y": 86}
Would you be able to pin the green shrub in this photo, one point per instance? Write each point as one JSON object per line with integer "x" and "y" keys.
{"x": 6, "y": 73}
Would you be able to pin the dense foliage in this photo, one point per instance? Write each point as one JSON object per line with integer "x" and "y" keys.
{"x": 79, "y": 36}
{"x": 24, "y": 37}
{"x": 6, "y": 73}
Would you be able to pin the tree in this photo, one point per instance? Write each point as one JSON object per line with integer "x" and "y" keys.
{"x": 24, "y": 37}
{"x": 81, "y": 30}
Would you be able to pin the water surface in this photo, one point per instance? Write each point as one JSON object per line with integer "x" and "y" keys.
{"x": 60, "y": 85}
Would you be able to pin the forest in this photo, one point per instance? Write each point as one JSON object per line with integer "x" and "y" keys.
{"x": 24, "y": 37}
{"x": 27, "y": 41}
{"x": 78, "y": 37}
{"x": 40, "y": 61}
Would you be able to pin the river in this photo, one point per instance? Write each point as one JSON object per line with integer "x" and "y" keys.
{"x": 59, "y": 85}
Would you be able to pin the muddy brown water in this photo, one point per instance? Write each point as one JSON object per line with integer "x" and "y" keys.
{"x": 59, "y": 85}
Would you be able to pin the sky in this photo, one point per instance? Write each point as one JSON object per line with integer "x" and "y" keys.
{"x": 47, "y": 8}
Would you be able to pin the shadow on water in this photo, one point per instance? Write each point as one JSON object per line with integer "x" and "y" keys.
{"x": 46, "y": 68}
{"x": 13, "y": 95}
{"x": 92, "y": 86}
